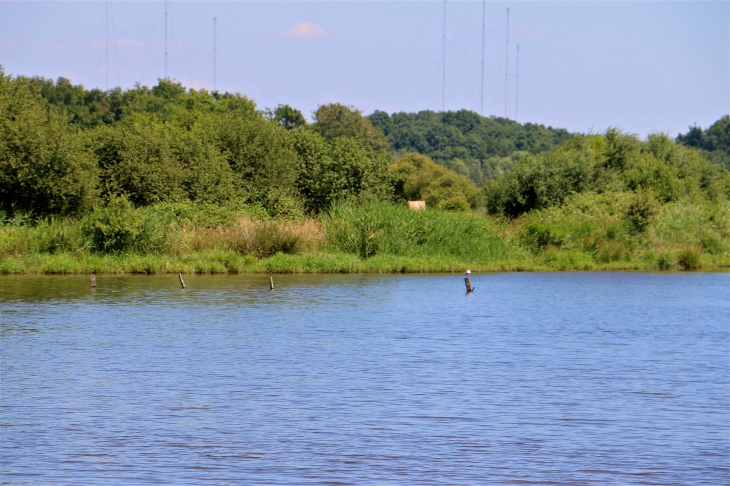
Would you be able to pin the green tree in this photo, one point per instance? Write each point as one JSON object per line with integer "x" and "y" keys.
{"x": 418, "y": 178}
{"x": 466, "y": 136}
{"x": 339, "y": 169}
{"x": 336, "y": 120}
{"x": 43, "y": 167}
{"x": 288, "y": 117}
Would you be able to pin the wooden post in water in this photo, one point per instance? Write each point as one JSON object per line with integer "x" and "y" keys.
{"x": 467, "y": 282}
{"x": 93, "y": 281}
{"x": 271, "y": 283}
{"x": 182, "y": 282}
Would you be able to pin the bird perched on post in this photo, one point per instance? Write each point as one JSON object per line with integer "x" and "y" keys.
{"x": 467, "y": 273}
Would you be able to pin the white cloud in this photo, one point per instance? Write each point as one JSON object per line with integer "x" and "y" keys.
{"x": 307, "y": 30}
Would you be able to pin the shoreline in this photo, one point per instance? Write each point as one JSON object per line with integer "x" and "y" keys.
{"x": 228, "y": 262}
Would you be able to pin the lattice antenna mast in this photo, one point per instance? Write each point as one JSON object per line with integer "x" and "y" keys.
{"x": 443, "y": 75}
{"x": 106, "y": 46}
{"x": 215, "y": 42}
{"x": 165, "y": 39}
{"x": 506, "y": 70}
{"x": 517, "y": 86}
{"x": 484, "y": 16}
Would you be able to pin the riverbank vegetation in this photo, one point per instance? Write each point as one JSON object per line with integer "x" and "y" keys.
{"x": 165, "y": 179}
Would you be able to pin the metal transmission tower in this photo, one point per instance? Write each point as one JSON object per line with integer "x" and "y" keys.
{"x": 484, "y": 16}
{"x": 517, "y": 86}
{"x": 215, "y": 42}
{"x": 443, "y": 76}
{"x": 106, "y": 46}
{"x": 506, "y": 69}
{"x": 165, "y": 39}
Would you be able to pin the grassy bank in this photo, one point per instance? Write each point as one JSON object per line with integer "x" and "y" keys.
{"x": 589, "y": 232}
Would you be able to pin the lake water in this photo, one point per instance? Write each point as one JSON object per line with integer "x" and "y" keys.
{"x": 553, "y": 378}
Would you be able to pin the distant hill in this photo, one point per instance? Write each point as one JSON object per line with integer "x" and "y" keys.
{"x": 713, "y": 143}
{"x": 464, "y": 141}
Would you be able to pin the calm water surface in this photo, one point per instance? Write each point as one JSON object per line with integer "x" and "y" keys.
{"x": 571, "y": 378}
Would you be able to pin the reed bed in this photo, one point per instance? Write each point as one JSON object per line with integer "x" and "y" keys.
{"x": 590, "y": 232}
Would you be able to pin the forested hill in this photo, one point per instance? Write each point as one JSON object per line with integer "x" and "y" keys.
{"x": 466, "y": 142}
{"x": 472, "y": 145}
{"x": 713, "y": 142}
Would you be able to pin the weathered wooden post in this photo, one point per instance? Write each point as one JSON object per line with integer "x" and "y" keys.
{"x": 93, "y": 281}
{"x": 467, "y": 282}
{"x": 271, "y": 283}
{"x": 182, "y": 282}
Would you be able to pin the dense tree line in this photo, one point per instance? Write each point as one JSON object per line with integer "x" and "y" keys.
{"x": 64, "y": 150}
{"x": 68, "y": 150}
{"x": 470, "y": 144}
{"x": 713, "y": 142}
{"x": 656, "y": 170}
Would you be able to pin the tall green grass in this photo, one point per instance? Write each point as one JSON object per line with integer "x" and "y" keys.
{"x": 590, "y": 231}
{"x": 380, "y": 228}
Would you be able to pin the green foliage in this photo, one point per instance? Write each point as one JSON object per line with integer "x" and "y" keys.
{"x": 261, "y": 155}
{"x": 288, "y": 117}
{"x": 117, "y": 226}
{"x": 690, "y": 258}
{"x": 642, "y": 210}
{"x": 335, "y": 120}
{"x": 393, "y": 229}
{"x": 42, "y": 166}
{"x": 713, "y": 143}
{"x": 537, "y": 182}
{"x": 418, "y": 178}
{"x": 478, "y": 142}
{"x": 342, "y": 168}
{"x": 613, "y": 162}
{"x": 169, "y": 101}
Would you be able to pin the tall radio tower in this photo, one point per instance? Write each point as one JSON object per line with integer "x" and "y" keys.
{"x": 215, "y": 42}
{"x": 506, "y": 69}
{"x": 481, "y": 99}
{"x": 165, "y": 39}
{"x": 106, "y": 46}
{"x": 443, "y": 76}
{"x": 517, "y": 86}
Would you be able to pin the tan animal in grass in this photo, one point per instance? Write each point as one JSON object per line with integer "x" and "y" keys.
{"x": 417, "y": 205}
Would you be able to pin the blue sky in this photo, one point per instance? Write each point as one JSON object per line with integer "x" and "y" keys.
{"x": 642, "y": 66}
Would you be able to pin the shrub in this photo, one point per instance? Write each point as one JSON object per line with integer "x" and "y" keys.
{"x": 419, "y": 178}
{"x": 339, "y": 169}
{"x": 538, "y": 236}
{"x": 457, "y": 203}
{"x": 43, "y": 167}
{"x": 665, "y": 261}
{"x": 611, "y": 251}
{"x": 690, "y": 258}
{"x": 537, "y": 182}
{"x": 642, "y": 209}
{"x": 117, "y": 226}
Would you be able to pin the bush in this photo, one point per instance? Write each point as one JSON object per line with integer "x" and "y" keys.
{"x": 665, "y": 261}
{"x": 537, "y": 182}
{"x": 418, "y": 178}
{"x": 538, "y": 236}
{"x": 43, "y": 167}
{"x": 612, "y": 251}
{"x": 117, "y": 226}
{"x": 642, "y": 210}
{"x": 690, "y": 258}
{"x": 457, "y": 203}
{"x": 336, "y": 170}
